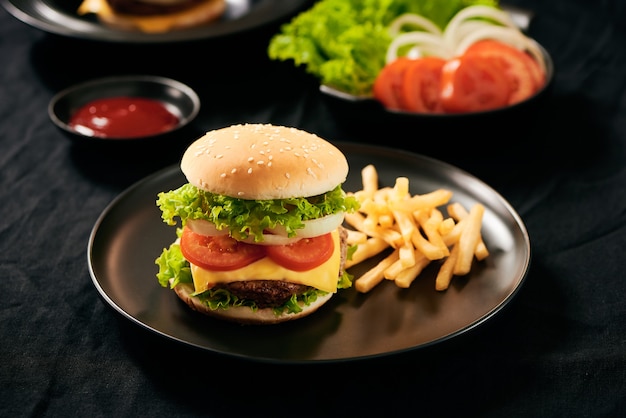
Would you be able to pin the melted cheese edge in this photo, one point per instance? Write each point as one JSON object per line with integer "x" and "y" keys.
{"x": 323, "y": 277}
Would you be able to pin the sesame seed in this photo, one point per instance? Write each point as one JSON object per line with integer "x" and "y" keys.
{"x": 219, "y": 156}
{"x": 250, "y": 159}
{"x": 233, "y": 171}
{"x": 250, "y": 170}
{"x": 223, "y": 175}
{"x": 260, "y": 162}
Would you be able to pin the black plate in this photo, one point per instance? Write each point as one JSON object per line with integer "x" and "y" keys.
{"x": 60, "y": 17}
{"x": 129, "y": 236}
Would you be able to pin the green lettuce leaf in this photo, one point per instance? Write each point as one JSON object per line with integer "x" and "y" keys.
{"x": 344, "y": 42}
{"x": 250, "y": 217}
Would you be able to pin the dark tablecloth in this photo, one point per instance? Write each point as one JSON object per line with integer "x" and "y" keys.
{"x": 557, "y": 350}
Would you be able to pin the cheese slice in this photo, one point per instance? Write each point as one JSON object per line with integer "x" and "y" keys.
{"x": 323, "y": 277}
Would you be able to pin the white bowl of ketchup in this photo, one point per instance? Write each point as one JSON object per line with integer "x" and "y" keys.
{"x": 125, "y": 109}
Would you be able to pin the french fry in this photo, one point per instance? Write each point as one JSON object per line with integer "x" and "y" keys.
{"x": 356, "y": 237}
{"x": 400, "y": 189}
{"x": 458, "y": 212}
{"x": 368, "y": 249}
{"x": 445, "y": 273}
{"x": 453, "y": 236}
{"x": 376, "y": 207}
{"x": 423, "y": 201}
{"x": 391, "y": 272}
{"x": 390, "y": 217}
{"x": 406, "y": 258}
{"x": 430, "y": 226}
{"x": 406, "y": 224}
{"x": 406, "y": 254}
{"x": 369, "y": 179}
{"x": 430, "y": 250}
{"x": 469, "y": 239}
{"x": 446, "y": 226}
{"x": 371, "y": 221}
{"x": 386, "y": 221}
{"x": 407, "y": 276}
{"x": 372, "y": 277}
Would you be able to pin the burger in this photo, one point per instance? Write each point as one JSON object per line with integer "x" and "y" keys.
{"x": 154, "y": 16}
{"x": 259, "y": 237}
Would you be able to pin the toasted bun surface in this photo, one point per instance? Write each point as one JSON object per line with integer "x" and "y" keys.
{"x": 243, "y": 314}
{"x": 263, "y": 161}
{"x": 200, "y": 14}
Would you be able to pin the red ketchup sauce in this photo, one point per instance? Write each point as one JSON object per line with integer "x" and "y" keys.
{"x": 123, "y": 117}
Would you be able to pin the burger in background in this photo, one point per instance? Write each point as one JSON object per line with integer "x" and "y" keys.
{"x": 261, "y": 238}
{"x": 154, "y": 16}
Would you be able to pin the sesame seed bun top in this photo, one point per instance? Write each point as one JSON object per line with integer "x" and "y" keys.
{"x": 263, "y": 161}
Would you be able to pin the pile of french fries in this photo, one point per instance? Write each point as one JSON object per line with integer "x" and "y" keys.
{"x": 415, "y": 229}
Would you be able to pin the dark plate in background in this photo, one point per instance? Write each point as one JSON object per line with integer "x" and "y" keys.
{"x": 60, "y": 17}
{"x": 129, "y": 236}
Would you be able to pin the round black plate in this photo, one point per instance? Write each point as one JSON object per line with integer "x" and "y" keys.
{"x": 60, "y": 17}
{"x": 130, "y": 235}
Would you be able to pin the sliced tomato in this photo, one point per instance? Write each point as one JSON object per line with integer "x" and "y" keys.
{"x": 524, "y": 73}
{"x": 473, "y": 83}
{"x": 420, "y": 88}
{"x": 304, "y": 254}
{"x": 218, "y": 253}
{"x": 388, "y": 84}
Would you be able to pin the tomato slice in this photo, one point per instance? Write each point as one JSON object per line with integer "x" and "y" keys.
{"x": 421, "y": 85}
{"x": 524, "y": 73}
{"x": 218, "y": 253}
{"x": 304, "y": 254}
{"x": 473, "y": 83}
{"x": 388, "y": 84}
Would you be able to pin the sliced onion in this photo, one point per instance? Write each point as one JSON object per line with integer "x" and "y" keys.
{"x": 314, "y": 227}
{"x": 202, "y": 227}
{"x": 450, "y": 34}
{"x": 278, "y": 235}
{"x": 429, "y": 42}
{"x": 415, "y": 20}
{"x": 462, "y": 31}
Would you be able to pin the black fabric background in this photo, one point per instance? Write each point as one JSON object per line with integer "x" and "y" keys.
{"x": 559, "y": 349}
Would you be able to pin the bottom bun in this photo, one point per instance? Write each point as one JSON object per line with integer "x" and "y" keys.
{"x": 243, "y": 314}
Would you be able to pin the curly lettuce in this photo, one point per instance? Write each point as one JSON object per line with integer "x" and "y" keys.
{"x": 344, "y": 42}
{"x": 245, "y": 218}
